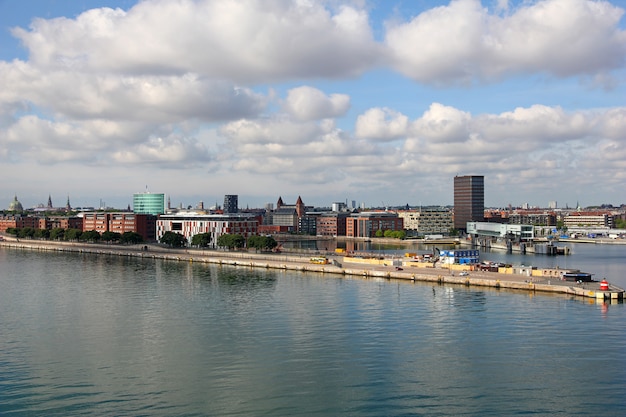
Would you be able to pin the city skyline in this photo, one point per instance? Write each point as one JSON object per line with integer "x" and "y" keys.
{"x": 382, "y": 102}
{"x": 348, "y": 204}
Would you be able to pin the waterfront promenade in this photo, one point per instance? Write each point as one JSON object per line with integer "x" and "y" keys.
{"x": 337, "y": 267}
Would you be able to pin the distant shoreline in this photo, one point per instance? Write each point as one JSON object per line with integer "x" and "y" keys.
{"x": 337, "y": 267}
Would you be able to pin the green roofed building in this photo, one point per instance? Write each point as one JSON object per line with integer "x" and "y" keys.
{"x": 149, "y": 203}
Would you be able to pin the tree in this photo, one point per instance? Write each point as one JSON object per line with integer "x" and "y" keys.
{"x": 399, "y": 234}
{"x": 269, "y": 243}
{"x": 28, "y": 232}
{"x": 231, "y": 241}
{"x": 12, "y": 231}
{"x": 89, "y": 236}
{"x": 42, "y": 233}
{"x": 57, "y": 233}
{"x": 110, "y": 236}
{"x": 131, "y": 238}
{"x": 173, "y": 239}
{"x": 262, "y": 242}
{"x": 394, "y": 234}
{"x": 379, "y": 233}
{"x": 202, "y": 240}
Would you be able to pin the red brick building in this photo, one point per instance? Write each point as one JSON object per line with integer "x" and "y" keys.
{"x": 331, "y": 224}
{"x": 17, "y": 221}
{"x": 121, "y": 222}
{"x": 366, "y": 224}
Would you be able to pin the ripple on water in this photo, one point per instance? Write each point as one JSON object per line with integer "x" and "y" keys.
{"x": 88, "y": 335}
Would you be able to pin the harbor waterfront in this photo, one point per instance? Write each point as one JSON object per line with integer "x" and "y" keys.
{"x": 379, "y": 267}
{"x": 103, "y": 334}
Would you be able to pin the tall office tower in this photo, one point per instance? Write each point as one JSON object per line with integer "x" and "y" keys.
{"x": 231, "y": 204}
{"x": 149, "y": 203}
{"x": 469, "y": 200}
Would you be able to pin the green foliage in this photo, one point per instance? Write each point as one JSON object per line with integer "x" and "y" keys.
{"x": 42, "y": 233}
{"x": 110, "y": 236}
{"x": 201, "y": 240}
{"x": 57, "y": 233}
{"x": 131, "y": 238}
{"x": 392, "y": 234}
{"x": 399, "y": 234}
{"x": 12, "y": 231}
{"x": 173, "y": 239}
{"x": 262, "y": 242}
{"x": 231, "y": 241}
{"x": 454, "y": 232}
{"x": 88, "y": 236}
{"x": 620, "y": 224}
{"x": 395, "y": 234}
{"x": 26, "y": 232}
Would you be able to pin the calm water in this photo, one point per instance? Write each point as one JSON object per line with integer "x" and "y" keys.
{"x": 89, "y": 335}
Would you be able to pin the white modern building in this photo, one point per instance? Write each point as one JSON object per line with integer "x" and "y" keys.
{"x": 517, "y": 232}
{"x": 588, "y": 219}
{"x": 191, "y": 224}
{"x": 428, "y": 221}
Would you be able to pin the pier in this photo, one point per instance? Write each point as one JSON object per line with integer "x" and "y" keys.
{"x": 381, "y": 268}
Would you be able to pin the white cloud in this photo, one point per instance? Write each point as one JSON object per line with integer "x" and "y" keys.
{"x": 612, "y": 123}
{"x": 172, "y": 151}
{"x": 245, "y": 41}
{"x": 538, "y": 142}
{"x": 96, "y": 142}
{"x": 536, "y": 125}
{"x": 270, "y": 131}
{"x": 382, "y": 124}
{"x": 308, "y": 103}
{"x": 298, "y": 151}
{"x": 160, "y": 99}
{"x": 192, "y": 85}
{"x": 442, "y": 123}
{"x": 463, "y": 42}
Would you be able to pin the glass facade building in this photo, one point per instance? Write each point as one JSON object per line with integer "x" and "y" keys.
{"x": 149, "y": 203}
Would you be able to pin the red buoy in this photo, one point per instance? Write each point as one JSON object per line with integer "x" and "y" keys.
{"x": 604, "y": 285}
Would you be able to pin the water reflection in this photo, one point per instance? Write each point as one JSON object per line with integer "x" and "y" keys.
{"x": 462, "y": 299}
{"x": 372, "y": 246}
{"x": 100, "y": 336}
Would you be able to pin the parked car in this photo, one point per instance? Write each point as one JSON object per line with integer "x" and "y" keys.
{"x": 464, "y": 274}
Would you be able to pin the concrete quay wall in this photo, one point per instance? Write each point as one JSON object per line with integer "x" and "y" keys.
{"x": 302, "y": 264}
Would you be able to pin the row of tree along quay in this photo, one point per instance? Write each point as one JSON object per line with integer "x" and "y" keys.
{"x": 75, "y": 235}
{"x": 229, "y": 241}
{"x": 170, "y": 239}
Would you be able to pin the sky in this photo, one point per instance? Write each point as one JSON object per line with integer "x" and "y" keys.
{"x": 381, "y": 102}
